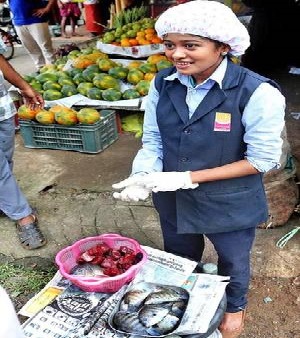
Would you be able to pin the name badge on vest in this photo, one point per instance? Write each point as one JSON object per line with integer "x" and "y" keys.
{"x": 222, "y": 122}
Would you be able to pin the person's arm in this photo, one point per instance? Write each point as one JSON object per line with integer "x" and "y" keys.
{"x": 263, "y": 118}
{"x": 32, "y": 98}
{"x": 43, "y": 11}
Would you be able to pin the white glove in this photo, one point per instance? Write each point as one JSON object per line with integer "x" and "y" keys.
{"x": 130, "y": 181}
{"x": 132, "y": 191}
{"x": 167, "y": 181}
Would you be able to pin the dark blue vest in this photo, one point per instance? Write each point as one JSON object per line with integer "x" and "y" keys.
{"x": 194, "y": 144}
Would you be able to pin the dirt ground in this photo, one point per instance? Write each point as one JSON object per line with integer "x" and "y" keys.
{"x": 273, "y": 310}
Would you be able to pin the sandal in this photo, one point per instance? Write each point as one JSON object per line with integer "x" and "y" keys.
{"x": 30, "y": 235}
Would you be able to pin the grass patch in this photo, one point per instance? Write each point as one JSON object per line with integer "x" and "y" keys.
{"x": 25, "y": 281}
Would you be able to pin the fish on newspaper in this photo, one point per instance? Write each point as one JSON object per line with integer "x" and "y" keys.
{"x": 150, "y": 309}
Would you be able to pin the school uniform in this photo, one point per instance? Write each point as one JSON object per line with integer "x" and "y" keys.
{"x": 201, "y": 127}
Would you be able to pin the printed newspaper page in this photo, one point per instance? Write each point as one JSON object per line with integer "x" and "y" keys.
{"x": 77, "y": 314}
{"x": 54, "y": 288}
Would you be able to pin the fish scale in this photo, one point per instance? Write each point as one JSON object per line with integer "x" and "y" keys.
{"x": 166, "y": 295}
{"x": 150, "y": 315}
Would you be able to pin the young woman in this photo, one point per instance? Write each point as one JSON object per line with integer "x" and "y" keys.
{"x": 211, "y": 129}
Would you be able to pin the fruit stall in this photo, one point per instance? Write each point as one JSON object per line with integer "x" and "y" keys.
{"x": 111, "y": 72}
{"x": 108, "y": 73}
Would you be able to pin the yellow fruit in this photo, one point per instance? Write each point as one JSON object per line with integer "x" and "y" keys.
{"x": 45, "y": 117}
{"x": 24, "y": 112}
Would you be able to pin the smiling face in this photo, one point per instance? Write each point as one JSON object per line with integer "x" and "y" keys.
{"x": 194, "y": 55}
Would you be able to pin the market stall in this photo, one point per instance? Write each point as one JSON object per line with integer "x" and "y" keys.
{"x": 160, "y": 295}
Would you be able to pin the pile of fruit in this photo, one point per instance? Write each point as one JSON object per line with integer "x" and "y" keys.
{"x": 96, "y": 76}
{"x": 132, "y": 27}
{"x": 60, "y": 115}
{"x": 139, "y": 33}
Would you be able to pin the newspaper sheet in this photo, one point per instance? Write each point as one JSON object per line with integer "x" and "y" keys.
{"x": 75, "y": 313}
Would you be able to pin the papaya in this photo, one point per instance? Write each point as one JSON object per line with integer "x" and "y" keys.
{"x": 148, "y": 68}
{"x": 153, "y": 59}
{"x": 149, "y": 76}
{"x": 162, "y": 64}
{"x": 62, "y": 74}
{"x": 51, "y": 85}
{"x": 134, "y": 76}
{"x": 134, "y": 64}
{"x": 93, "y": 68}
{"x": 111, "y": 94}
{"x": 82, "y": 62}
{"x": 84, "y": 87}
{"x": 119, "y": 72}
{"x": 94, "y": 93}
{"x": 143, "y": 87}
{"x": 130, "y": 94}
{"x": 47, "y": 68}
{"x": 67, "y": 117}
{"x": 28, "y": 78}
{"x": 45, "y": 117}
{"x": 36, "y": 85}
{"x": 106, "y": 64}
{"x": 68, "y": 90}
{"x": 51, "y": 95}
{"x": 73, "y": 53}
{"x": 79, "y": 78}
{"x": 66, "y": 81}
{"x": 89, "y": 74}
{"x": 86, "y": 51}
{"x": 88, "y": 116}
{"x": 107, "y": 81}
{"x": 26, "y": 113}
{"x": 57, "y": 108}
{"x": 74, "y": 71}
{"x": 44, "y": 77}
{"x": 98, "y": 78}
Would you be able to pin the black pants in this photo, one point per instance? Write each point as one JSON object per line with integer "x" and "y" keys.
{"x": 233, "y": 249}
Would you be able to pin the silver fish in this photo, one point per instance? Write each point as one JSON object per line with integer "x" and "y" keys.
{"x": 87, "y": 269}
{"x": 165, "y": 295}
{"x": 132, "y": 300}
{"x": 167, "y": 324}
{"x": 178, "y": 308}
{"x": 128, "y": 322}
{"x": 150, "y": 315}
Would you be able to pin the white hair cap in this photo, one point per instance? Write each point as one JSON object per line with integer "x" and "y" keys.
{"x": 209, "y": 19}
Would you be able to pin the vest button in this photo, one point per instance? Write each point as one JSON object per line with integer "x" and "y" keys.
{"x": 184, "y": 159}
{"x": 187, "y": 131}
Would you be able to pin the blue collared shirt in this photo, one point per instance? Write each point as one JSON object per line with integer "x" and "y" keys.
{"x": 263, "y": 119}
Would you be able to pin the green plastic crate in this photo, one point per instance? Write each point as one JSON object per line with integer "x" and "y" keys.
{"x": 84, "y": 138}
